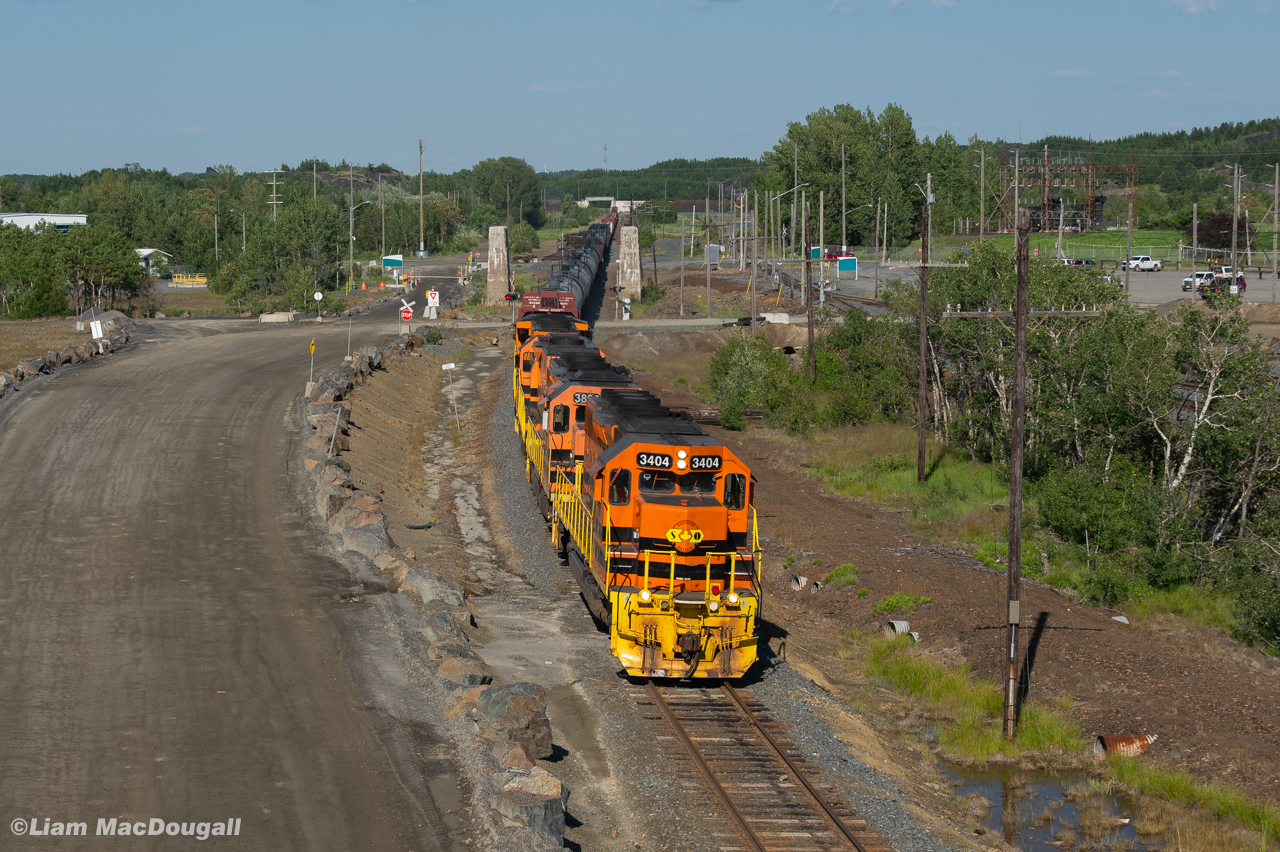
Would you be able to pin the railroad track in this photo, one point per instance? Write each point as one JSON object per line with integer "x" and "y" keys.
{"x": 756, "y": 774}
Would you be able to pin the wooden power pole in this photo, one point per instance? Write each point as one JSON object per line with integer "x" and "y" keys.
{"x": 1020, "y": 314}
{"x": 922, "y": 401}
{"x": 808, "y": 288}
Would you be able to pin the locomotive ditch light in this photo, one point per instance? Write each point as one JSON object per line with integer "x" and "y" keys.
{"x": 733, "y": 598}
{"x": 713, "y": 605}
{"x": 644, "y": 595}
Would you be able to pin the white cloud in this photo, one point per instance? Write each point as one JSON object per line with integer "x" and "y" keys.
{"x": 1068, "y": 72}
{"x": 946, "y": 4}
{"x": 1194, "y": 7}
{"x": 1154, "y": 93}
{"x": 894, "y": 4}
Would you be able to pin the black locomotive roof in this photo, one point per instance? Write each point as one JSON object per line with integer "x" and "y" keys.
{"x": 637, "y": 411}
{"x": 562, "y": 344}
{"x": 587, "y": 365}
{"x": 552, "y": 322}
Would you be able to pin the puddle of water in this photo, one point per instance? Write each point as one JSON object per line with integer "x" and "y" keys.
{"x": 1030, "y": 809}
{"x": 448, "y": 799}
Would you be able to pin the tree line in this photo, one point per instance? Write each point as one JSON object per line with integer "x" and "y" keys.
{"x": 884, "y": 159}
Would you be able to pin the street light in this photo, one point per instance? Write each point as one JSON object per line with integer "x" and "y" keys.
{"x": 351, "y": 246}
{"x": 242, "y": 228}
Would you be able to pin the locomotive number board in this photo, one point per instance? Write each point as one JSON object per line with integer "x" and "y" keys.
{"x": 704, "y": 463}
{"x": 581, "y": 398}
{"x": 662, "y": 461}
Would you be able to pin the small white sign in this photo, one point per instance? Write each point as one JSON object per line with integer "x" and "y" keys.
{"x": 448, "y": 366}
{"x": 319, "y": 297}
{"x": 95, "y": 328}
{"x": 433, "y": 299}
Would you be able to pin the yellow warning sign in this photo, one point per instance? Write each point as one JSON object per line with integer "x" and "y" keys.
{"x": 313, "y": 346}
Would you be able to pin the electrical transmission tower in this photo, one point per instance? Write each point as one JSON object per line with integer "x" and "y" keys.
{"x": 274, "y": 198}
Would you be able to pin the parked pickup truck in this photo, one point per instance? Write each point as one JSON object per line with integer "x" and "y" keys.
{"x": 1202, "y": 278}
{"x": 1144, "y": 263}
{"x": 1225, "y": 274}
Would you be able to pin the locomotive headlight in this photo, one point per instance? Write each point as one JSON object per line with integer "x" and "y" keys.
{"x": 682, "y": 454}
{"x": 644, "y": 595}
{"x": 733, "y": 597}
{"x": 714, "y": 605}
{"x": 680, "y": 464}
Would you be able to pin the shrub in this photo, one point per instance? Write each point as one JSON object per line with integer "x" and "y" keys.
{"x": 843, "y": 575}
{"x": 1111, "y": 511}
{"x": 898, "y": 602}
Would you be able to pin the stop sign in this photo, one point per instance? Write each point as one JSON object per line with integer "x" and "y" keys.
{"x": 406, "y": 314}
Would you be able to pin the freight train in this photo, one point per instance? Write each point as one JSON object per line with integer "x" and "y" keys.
{"x": 655, "y": 518}
{"x": 571, "y": 285}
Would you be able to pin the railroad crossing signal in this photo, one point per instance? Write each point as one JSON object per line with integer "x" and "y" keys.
{"x": 406, "y": 314}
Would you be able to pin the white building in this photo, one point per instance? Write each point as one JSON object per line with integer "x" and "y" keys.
{"x": 61, "y": 221}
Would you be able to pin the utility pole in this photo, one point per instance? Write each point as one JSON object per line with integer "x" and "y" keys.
{"x": 707, "y": 249}
{"x": 383, "y": 206}
{"x": 508, "y": 203}
{"x": 803, "y": 210}
{"x": 922, "y": 400}
{"x": 1020, "y": 314}
{"x": 1017, "y": 427}
{"x": 982, "y": 195}
{"x": 422, "y": 239}
{"x": 795, "y": 195}
{"x": 216, "y": 255}
{"x": 313, "y": 180}
{"x": 808, "y": 286}
{"x": 682, "y": 263}
{"x": 877, "y": 249}
{"x": 755, "y": 258}
{"x": 844, "y": 207}
{"x": 1275, "y": 227}
{"x": 822, "y": 242}
{"x": 606, "y": 159}
{"x": 1235, "y": 217}
{"x": 1195, "y": 244}
{"x": 1128, "y": 246}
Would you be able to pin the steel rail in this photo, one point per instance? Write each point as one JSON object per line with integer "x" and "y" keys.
{"x": 799, "y": 776}
{"x": 739, "y": 820}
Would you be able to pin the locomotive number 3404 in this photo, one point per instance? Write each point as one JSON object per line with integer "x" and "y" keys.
{"x": 658, "y": 460}
{"x": 704, "y": 463}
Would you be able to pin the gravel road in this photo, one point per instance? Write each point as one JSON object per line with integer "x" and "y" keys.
{"x": 174, "y": 641}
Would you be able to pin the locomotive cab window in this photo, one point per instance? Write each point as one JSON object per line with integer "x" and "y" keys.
{"x": 657, "y": 482}
{"x": 560, "y": 418}
{"x": 735, "y": 491}
{"x": 700, "y": 483}
{"x": 580, "y": 414}
{"x": 620, "y": 487}
{"x": 527, "y": 364}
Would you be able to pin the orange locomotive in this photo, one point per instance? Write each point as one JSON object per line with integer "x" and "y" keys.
{"x": 656, "y": 517}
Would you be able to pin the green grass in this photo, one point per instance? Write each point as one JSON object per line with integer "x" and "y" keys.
{"x": 843, "y": 575}
{"x": 969, "y": 709}
{"x": 1176, "y": 786}
{"x": 1196, "y": 607}
{"x": 898, "y": 602}
{"x": 863, "y": 592}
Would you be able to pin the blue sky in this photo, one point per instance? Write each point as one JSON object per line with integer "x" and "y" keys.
{"x": 189, "y": 85}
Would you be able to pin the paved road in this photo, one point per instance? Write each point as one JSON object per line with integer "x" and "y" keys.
{"x": 172, "y": 644}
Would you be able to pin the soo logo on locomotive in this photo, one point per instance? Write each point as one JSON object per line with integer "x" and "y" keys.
{"x": 685, "y": 535}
